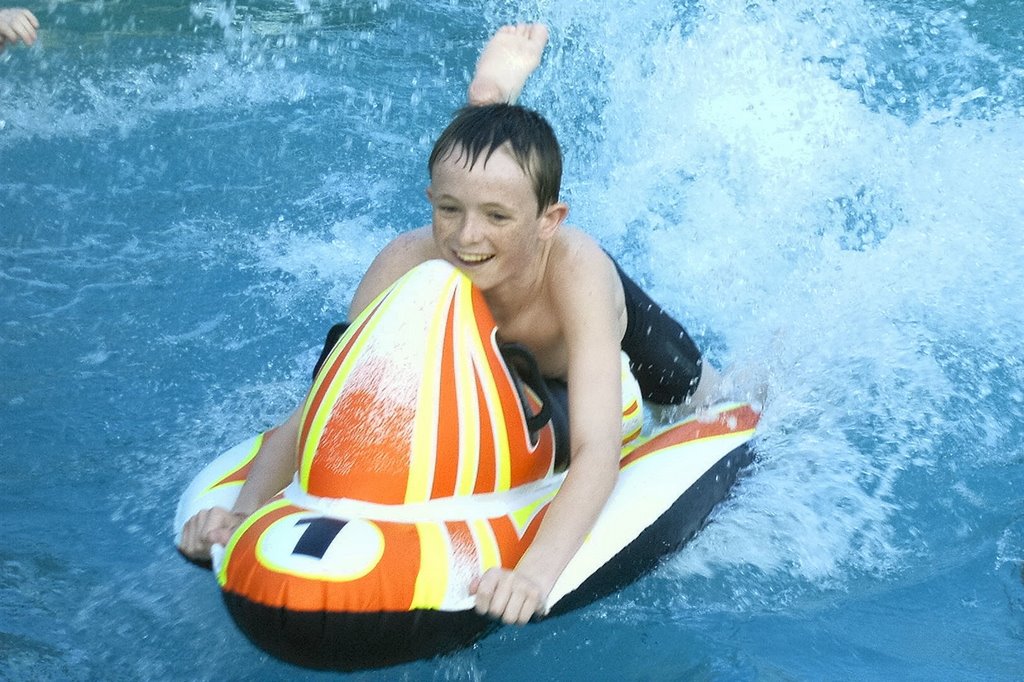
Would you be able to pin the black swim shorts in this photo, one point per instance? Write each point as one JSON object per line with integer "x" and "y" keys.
{"x": 662, "y": 356}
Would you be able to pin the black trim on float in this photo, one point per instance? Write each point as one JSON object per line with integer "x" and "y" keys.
{"x": 334, "y": 334}
{"x": 523, "y": 367}
{"x": 355, "y": 641}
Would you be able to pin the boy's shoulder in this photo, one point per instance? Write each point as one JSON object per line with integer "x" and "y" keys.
{"x": 578, "y": 268}
{"x": 409, "y": 249}
{"x": 575, "y": 253}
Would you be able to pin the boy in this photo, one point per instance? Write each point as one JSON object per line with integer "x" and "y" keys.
{"x": 494, "y": 180}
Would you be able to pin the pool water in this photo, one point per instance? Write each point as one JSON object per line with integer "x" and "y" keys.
{"x": 831, "y": 191}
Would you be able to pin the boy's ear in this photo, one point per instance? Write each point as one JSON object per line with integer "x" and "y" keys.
{"x": 430, "y": 194}
{"x": 552, "y": 218}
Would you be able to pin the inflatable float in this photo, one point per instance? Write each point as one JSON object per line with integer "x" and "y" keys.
{"x": 426, "y": 456}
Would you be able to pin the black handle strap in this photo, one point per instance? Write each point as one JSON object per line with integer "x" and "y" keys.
{"x": 524, "y": 368}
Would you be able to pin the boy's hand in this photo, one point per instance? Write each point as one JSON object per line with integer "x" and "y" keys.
{"x": 510, "y": 596}
{"x": 17, "y": 24}
{"x": 207, "y": 528}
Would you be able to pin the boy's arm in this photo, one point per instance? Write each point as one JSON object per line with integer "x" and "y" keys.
{"x": 587, "y": 302}
{"x": 401, "y": 255}
{"x": 272, "y": 469}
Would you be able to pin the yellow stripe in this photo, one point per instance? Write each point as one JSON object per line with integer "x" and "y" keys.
{"x": 465, "y": 386}
{"x": 522, "y": 517}
{"x": 223, "y": 486}
{"x": 432, "y": 580}
{"x": 503, "y": 469}
{"x": 316, "y": 429}
{"x": 222, "y": 575}
{"x": 257, "y": 442}
{"x": 424, "y": 433}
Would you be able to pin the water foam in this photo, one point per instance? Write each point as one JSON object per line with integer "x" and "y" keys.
{"x": 804, "y": 205}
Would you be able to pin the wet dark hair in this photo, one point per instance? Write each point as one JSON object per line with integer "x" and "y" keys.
{"x": 479, "y": 129}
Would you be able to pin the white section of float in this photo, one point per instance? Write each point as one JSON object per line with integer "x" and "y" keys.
{"x": 644, "y": 491}
{"x": 444, "y": 509}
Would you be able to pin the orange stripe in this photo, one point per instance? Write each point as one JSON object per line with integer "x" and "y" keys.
{"x": 511, "y": 544}
{"x": 360, "y": 463}
{"x": 526, "y": 466}
{"x": 447, "y": 450}
{"x": 486, "y": 475}
{"x": 313, "y": 403}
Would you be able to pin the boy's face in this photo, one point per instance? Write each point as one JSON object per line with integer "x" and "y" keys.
{"x": 485, "y": 219}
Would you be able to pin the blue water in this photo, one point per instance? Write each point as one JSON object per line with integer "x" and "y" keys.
{"x": 831, "y": 191}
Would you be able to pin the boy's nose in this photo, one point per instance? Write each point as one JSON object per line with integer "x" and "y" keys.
{"x": 470, "y": 230}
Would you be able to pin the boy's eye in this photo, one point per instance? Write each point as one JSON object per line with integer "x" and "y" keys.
{"x": 447, "y": 209}
{"x": 500, "y": 217}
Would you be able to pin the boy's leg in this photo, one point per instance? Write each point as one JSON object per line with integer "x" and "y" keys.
{"x": 664, "y": 359}
{"x": 508, "y": 59}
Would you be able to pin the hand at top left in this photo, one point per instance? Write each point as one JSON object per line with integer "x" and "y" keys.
{"x": 17, "y": 24}
{"x": 510, "y": 596}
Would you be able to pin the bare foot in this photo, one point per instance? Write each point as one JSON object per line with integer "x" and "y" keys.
{"x": 506, "y": 62}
